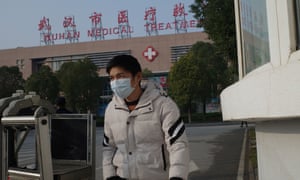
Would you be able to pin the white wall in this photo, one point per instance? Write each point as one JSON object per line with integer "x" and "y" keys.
{"x": 265, "y": 94}
{"x": 278, "y": 148}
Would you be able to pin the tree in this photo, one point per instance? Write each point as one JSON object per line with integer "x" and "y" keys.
{"x": 213, "y": 71}
{"x": 147, "y": 73}
{"x": 10, "y": 80}
{"x": 44, "y": 83}
{"x": 218, "y": 20}
{"x": 81, "y": 85}
{"x": 199, "y": 75}
{"x": 183, "y": 78}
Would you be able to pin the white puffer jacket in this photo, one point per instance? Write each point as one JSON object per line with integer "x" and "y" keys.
{"x": 146, "y": 143}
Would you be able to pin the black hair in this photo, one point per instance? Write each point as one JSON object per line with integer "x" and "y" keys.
{"x": 127, "y": 62}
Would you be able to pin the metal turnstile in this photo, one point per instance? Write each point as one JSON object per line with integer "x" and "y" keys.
{"x": 64, "y": 144}
{"x": 73, "y": 146}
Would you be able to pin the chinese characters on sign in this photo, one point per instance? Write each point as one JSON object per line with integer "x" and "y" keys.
{"x": 122, "y": 29}
{"x": 123, "y": 17}
{"x": 180, "y": 24}
{"x": 71, "y": 34}
{"x": 179, "y": 15}
{"x": 96, "y": 31}
{"x": 179, "y": 10}
{"x": 150, "y": 17}
{"x": 45, "y": 31}
{"x": 96, "y": 19}
{"x": 69, "y": 22}
{"x": 44, "y": 24}
{"x": 150, "y": 14}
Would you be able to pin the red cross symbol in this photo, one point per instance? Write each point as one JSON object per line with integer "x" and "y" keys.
{"x": 150, "y": 53}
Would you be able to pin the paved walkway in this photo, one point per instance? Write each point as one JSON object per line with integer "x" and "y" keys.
{"x": 222, "y": 159}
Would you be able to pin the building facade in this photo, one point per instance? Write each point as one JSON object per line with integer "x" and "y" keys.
{"x": 155, "y": 53}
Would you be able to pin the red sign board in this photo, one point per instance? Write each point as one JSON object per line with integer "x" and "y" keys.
{"x": 151, "y": 25}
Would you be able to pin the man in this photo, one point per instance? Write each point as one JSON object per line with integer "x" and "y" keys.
{"x": 144, "y": 136}
{"x": 60, "y": 104}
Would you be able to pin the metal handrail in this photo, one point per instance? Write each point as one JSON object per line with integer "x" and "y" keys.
{"x": 24, "y": 174}
{"x": 18, "y": 120}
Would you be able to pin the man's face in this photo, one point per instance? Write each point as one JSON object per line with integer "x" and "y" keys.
{"x": 119, "y": 73}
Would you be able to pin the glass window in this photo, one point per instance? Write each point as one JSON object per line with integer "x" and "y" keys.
{"x": 254, "y": 29}
{"x": 56, "y": 65}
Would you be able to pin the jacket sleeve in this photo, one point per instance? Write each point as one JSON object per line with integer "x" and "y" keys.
{"x": 109, "y": 149}
{"x": 176, "y": 140}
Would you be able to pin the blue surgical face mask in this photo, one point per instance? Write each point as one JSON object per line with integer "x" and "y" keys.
{"x": 121, "y": 87}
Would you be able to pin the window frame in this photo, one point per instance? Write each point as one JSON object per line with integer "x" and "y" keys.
{"x": 243, "y": 50}
{"x": 297, "y": 22}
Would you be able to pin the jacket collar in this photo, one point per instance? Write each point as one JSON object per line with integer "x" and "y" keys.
{"x": 151, "y": 92}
